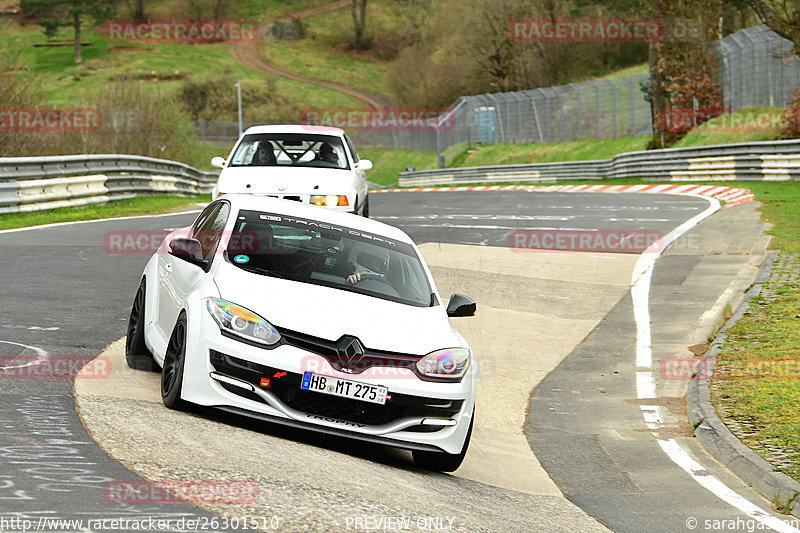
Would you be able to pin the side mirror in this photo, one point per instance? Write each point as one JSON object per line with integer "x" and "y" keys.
{"x": 218, "y": 162}
{"x": 461, "y": 305}
{"x": 364, "y": 164}
{"x": 189, "y": 250}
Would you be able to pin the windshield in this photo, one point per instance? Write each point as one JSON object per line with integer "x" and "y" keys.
{"x": 314, "y": 252}
{"x": 290, "y": 150}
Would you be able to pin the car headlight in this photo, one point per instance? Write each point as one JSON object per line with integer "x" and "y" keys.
{"x": 329, "y": 200}
{"x": 444, "y": 365}
{"x": 239, "y": 321}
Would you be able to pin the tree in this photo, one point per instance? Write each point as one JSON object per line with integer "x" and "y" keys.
{"x": 782, "y": 17}
{"x": 413, "y": 17}
{"x": 18, "y": 91}
{"x": 359, "y": 9}
{"x": 682, "y": 87}
{"x": 210, "y": 9}
{"x": 55, "y": 14}
{"x": 136, "y": 9}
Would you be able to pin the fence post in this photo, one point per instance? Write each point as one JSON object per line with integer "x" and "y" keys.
{"x": 536, "y": 117}
{"x": 577, "y": 90}
{"x": 613, "y": 106}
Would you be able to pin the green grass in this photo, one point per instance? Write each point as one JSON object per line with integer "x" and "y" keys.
{"x": 388, "y": 163}
{"x": 272, "y": 9}
{"x": 762, "y": 388}
{"x": 509, "y": 154}
{"x": 324, "y": 53}
{"x": 765, "y": 344}
{"x": 64, "y": 83}
{"x": 326, "y": 63}
{"x": 745, "y": 125}
{"x": 780, "y": 208}
{"x": 143, "y": 205}
{"x": 243, "y": 9}
{"x": 643, "y": 68}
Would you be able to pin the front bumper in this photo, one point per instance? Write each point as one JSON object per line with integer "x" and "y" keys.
{"x": 302, "y": 198}
{"x": 226, "y": 373}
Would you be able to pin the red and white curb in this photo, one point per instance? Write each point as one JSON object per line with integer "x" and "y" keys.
{"x": 732, "y": 196}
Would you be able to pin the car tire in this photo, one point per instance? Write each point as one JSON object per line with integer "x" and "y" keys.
{"x": 137, "y": 355}
{"x": 441, "y": 461}
{"x": 365, "y": 210}
{"x": 172, "y": 371}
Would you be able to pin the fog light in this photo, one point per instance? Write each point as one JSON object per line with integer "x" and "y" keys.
{"x": 438, "y": 422}
{"x": 231, "y": 381}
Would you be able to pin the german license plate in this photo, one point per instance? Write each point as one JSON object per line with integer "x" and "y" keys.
{"x": 344, "y": 388}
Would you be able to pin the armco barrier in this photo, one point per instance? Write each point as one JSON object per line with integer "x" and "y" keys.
{"x": 37, "y": 183}
{"x": 8, "y": 194}
{"x": 767, "y": 161}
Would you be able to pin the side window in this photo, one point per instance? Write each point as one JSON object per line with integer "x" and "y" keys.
{"x": 352, "y": 148}
{"x": 209, "y": 231}
{"x": 202, "y": 218}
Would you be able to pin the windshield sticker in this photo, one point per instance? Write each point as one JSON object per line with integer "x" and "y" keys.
{"x": 332, "y": 231}
{"x": 241, "y": 259}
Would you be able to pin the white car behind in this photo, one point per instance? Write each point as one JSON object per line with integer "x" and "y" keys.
{"x": 310, "y": 164}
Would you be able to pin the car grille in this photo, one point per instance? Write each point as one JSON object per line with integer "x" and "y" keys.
{"x": 327, "y": 349}
{"x": 287, "y": 390}
{"x": 293, "y": 197}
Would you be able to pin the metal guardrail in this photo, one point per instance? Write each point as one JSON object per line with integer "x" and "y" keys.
{"x": 762, "y": 161}
{"x": 38, "y": 183}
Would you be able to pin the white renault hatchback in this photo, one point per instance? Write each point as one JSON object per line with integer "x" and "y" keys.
{"x": 307, "y": 317}
{"x": 310, "y": 164}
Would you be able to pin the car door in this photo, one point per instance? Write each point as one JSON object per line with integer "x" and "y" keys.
{"x": 361, "y": 182}
{"x": 177, "y": 277}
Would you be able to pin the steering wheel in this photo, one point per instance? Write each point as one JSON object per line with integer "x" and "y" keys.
{"x": 381, "y": 286}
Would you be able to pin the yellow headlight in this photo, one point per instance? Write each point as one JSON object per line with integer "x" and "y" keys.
{"x": 330, "y": 200}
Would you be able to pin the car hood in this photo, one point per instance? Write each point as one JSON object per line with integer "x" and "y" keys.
{"x": 330, "y": 313}
{"x": 284, "y": 180}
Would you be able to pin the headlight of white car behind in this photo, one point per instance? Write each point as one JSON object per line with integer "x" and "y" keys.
{"x": 240, "y": 322}
{"x": 444, "y": 365}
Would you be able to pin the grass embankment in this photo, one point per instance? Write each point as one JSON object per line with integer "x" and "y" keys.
{"x": 143, "y": 205}
{"x": 511, "y": 154}
{"x": 745, "y": 125}
{"x": 323, "y": 55}
{"x": 166, "y": 65}
{"x": 758, "y": 396}
{"x": 388, "y": 163}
